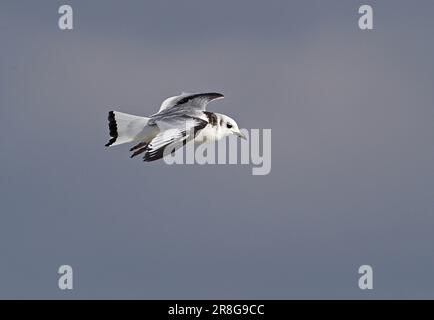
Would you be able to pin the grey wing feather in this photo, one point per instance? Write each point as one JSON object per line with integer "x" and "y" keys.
{"x": 175, "y": 131}
{"x": 197, "y": 101}
{"x": 177, "y": 118}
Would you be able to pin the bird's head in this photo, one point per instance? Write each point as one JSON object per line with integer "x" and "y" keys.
{"x": 229, "y": 126}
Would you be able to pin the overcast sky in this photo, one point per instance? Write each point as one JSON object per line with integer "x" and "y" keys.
{"x": 352, "y": 175}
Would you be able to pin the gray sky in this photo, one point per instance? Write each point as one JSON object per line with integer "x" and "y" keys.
{"x": 352, "y": 178}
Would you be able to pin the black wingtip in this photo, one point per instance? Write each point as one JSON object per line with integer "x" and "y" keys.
{"x": 209, "y": 96}
{"x": 216, "y": 95}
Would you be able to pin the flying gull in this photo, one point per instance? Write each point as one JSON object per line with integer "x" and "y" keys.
{"x": 180, "y": 119}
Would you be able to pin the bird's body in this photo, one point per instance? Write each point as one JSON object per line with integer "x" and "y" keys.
{"x": 181, "y": 119}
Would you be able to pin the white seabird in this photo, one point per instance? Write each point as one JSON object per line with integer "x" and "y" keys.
{"x": 180, "y": 119}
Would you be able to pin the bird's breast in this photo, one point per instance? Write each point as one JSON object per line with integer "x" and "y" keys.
{"x": 207, "y": 134}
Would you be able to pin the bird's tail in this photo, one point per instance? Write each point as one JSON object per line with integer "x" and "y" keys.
{"x": 125, "y": 128}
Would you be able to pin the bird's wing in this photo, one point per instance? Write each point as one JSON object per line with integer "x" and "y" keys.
{"x": 174, "y": 133}
{"x": 196, "y": 101}
{"x": 164, "y": 143}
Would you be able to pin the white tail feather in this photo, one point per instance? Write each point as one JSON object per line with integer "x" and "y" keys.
{"x": 125, "y": 128}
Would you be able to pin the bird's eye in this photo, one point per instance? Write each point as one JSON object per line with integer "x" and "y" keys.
{"x": 228, "y": 125}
